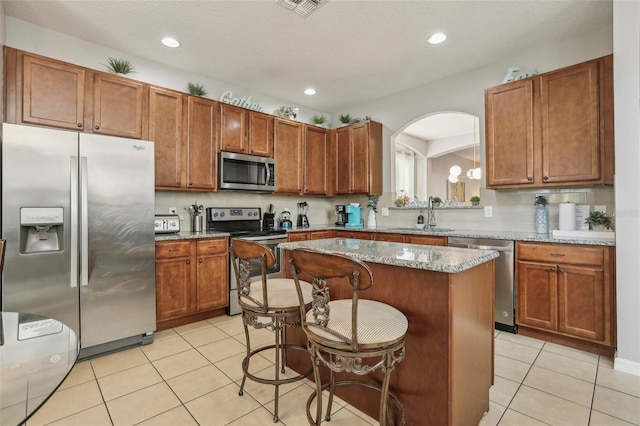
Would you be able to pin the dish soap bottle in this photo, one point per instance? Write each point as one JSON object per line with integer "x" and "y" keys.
{"x": 542, "y": 215}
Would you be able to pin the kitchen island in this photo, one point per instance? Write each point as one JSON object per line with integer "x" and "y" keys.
{"x": 447, "y": 295}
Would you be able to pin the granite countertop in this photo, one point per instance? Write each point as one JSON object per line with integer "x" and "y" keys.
{"x": 432, "y": 258}
{"x": 469, "y": 233}
{"x": 185, "y": 235}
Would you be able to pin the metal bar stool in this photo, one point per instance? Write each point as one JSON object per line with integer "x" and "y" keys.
{"x": 340, "y": 333}
{"x": 269, "y": 303}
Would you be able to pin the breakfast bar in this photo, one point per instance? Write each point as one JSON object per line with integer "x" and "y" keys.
{"x": 447, "y": 295}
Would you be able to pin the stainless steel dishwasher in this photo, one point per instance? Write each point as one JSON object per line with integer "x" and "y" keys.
{"x": 505, "y": 283}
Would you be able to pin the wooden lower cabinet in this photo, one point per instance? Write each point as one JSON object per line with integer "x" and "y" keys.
{"x": 566, "y": 294}
{"x": 394, "y": 238}
{"x": 428, "y": 240}
{"x": 191, "y": 281}
{"x": 358, "y": 235}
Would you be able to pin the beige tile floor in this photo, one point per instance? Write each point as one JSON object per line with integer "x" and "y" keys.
{"x": 190, "y": 375}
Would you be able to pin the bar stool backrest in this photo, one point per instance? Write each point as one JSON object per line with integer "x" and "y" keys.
{"x": 326, "y": 270}
{"x": 242, "y": 253}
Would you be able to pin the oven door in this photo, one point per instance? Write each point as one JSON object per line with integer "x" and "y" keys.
{"x": 277, "y": 270}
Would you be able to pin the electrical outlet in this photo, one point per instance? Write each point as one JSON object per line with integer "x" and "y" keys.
{"x": 488, "y": 211}
{"x": 173, "y": 210}
{"x": 385, "y": 211}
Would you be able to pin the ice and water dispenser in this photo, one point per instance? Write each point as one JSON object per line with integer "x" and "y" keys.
{"x": 41, "y": 229}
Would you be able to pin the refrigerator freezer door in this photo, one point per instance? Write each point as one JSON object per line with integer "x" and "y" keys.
{"x": 38, "y": 179}
{"x": 117, "y": 271}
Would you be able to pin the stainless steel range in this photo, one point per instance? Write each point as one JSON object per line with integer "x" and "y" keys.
{"x": 244, "y": 222}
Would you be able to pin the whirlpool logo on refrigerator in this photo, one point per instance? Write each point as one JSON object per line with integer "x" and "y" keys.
{"x": 138, "y": 147}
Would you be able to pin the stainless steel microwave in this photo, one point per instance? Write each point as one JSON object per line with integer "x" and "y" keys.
{"x": 246, "y": 172}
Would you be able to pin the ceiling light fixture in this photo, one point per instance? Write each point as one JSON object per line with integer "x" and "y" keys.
{"x": 475, "y": 172}
{"x": 170, "y": 42}
{"x": 310, "y": 91}
{"x": 437, "y": 38}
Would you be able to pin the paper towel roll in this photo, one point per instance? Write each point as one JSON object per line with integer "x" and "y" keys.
{"x": 567, "y": 220}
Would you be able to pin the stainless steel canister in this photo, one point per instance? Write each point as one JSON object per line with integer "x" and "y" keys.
{"x": 196, "y": 223}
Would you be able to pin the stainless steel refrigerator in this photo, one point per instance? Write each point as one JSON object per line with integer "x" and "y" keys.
{"x": 77, "y": 214}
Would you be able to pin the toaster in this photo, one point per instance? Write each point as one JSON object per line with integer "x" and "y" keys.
{"x": 167, "y": 223}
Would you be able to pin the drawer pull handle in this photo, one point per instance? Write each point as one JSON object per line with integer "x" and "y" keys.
{"x": 557, "y": 254}
{"x": 173, "y": 249}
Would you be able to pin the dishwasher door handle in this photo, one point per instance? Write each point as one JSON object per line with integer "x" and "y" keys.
{"x": 508, "y": 248}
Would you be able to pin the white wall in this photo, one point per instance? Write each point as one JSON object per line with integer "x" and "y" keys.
{"x": 626, "y": 16}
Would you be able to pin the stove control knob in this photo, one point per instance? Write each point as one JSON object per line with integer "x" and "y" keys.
{"x": 222, "y": 214}
{"x": 215, "y": 214}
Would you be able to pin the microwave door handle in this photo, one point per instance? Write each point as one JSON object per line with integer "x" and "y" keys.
{"x": 266, "y": 168}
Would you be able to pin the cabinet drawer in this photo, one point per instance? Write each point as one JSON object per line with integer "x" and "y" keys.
{"x": 561, "y": 253}
{"x": 216, "y": 246}
{"x": 168, "y": 249}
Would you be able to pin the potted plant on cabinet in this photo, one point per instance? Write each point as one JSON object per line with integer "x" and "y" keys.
{"x": 599, "y": 221}
{"x": 119, "y": 65}
{"x": 318, "y": 120}
{"x": 196, "y": 89}
{"x": 345, "y": 119}
{"x": 475, "y": 200}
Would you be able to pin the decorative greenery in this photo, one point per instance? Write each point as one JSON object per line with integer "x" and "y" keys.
{"x": 402, "y": 199}
{"x": 436, "y": 200}
{"x": 196, "y": 89}
{"x": 540, "y": 200}
{"x": 288, "y": 112}
{"x": 372, "y": 202}
{"x": 318, "y": 119}
{"x": 119, "y": 65}
{"x": 474, "y": 199}
{"x": 345, "y": 118}
{"x": 598, "y": 218}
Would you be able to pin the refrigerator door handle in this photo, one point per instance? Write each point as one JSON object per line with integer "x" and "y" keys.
{"x": 84, "y": 224}
{"x": 74, "y": 222}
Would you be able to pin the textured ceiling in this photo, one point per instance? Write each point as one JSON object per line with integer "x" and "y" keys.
{"x": 350, "y": 51}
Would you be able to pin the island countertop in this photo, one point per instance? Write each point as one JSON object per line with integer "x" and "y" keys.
{"x": 432, "y": 258}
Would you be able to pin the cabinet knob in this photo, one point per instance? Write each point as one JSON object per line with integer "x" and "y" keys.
{"x": 178, "y": 183}
{"x": 79, "y": 124}
{"x": 97, "y": 127}
{"x": 190, "y": 183}
{"x": 552, "y": 269}
{"x": 561, "y": 270}
{"x": 529, "y": 178}
{"x": 188, "y": 262}
{"x": 545, "y": 177}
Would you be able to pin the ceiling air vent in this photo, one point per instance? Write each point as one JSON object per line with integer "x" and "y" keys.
{"x": 302, "y": 7}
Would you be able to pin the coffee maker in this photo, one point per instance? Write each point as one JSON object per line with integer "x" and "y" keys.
{"x": 303, "y": 221}
{"x": 341, "y": 215}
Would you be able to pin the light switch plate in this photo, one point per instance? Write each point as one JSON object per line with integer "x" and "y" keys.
{"x": 385, "y": 211}
{"x": 488, "y": 211}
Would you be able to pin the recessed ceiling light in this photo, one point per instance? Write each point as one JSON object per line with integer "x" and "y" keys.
{"x": 437, "y": 38}
{"x": 170, "y": 42}
{"x": 310, "y": 91}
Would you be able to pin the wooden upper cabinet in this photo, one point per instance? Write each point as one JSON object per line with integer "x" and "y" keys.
{"x": 315, "y": 160}
{"x": 245, "y": 131}
{"x": 509, "y": 134}
{"x": 570, "y": 128}
{"x": 165, "y": 130}
{"x": 118, "y": 106}
{"x": 288, "y": 156}
{"x": 553, "y": 129}
{"x": 53, "y": 93}
{"x": 233, "y": 129}
{"x": 202, "y": 129}
{"x": 358, "y": 158}
{"x": 260, "y": 134}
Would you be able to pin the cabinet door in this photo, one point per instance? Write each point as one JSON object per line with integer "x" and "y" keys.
{"x": 569, "y": 109}
{"x": 201, "y": 143}
{"x": 360, "y": 158}
{"x": 233, "y": 128}
{"x": 343, "y": 160}
{"x": 509, "y": 134}
{"x": 175, "y": 278}
{"x": 165, "y": 130}
{"x": 537, "y": 295}
{"x": 213, "y": 281}
{"x": 52, "y": 93}
{"x": 394, "y": 238}
{"x": 359, "y": 235}
{"x": 426, "y": 240}
{"x": 315, "y": 160}
{"x": 260, "y": 134}
{"x": 582, "y": 302}
{"x": 288, "y": 156}
{"x": 319, "y": 235}
{"x": 117, "y": 106}
{"x": 297, "y": 236}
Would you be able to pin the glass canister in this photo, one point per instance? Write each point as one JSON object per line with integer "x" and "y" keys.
{"x": 542, "y": 215}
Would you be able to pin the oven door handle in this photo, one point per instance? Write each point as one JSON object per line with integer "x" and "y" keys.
{"x": 269, "y": 238}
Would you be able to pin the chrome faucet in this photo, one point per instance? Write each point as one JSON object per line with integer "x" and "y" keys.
{"x": 431, "y": 214}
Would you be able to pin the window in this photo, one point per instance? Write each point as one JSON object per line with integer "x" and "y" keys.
{"x": 405, "y": 167}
